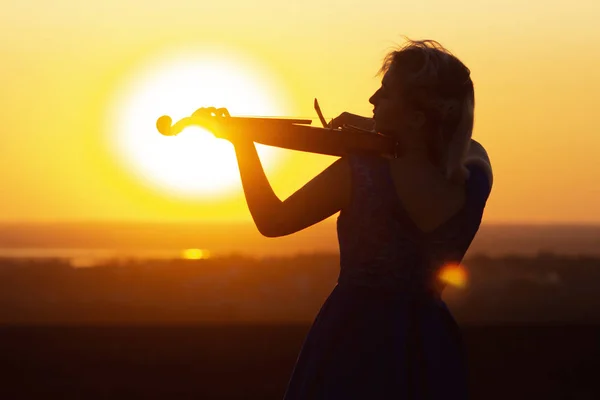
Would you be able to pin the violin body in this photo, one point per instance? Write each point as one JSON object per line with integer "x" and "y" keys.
{"x": 293, "y": 134}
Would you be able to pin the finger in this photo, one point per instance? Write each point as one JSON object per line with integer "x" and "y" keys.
{"x": 205, "y": 112}
{"x": 223, "y": 112}
{"x": 338, "y": 123}
{"x": 332, "y": 124}
{"x": 199, "y": 112}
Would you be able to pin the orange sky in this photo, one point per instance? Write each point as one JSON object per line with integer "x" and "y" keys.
{"x": 535, "y": 65}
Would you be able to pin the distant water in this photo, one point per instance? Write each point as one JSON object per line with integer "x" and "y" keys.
{"x": 91, "y": 257}
{"x": 154, "y": 240}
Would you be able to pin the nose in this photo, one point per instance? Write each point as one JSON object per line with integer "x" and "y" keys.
{"x": 373, "y": 99}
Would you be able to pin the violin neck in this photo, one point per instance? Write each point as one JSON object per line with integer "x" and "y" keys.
{"x": 319, "y": 140}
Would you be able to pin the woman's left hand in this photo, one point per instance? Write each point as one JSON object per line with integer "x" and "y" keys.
{"x": 216, "y": 121}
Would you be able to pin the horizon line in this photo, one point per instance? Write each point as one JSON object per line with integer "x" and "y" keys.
{"x": 250, "y": 222}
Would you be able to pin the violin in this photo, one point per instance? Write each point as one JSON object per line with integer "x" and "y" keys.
{"x": 287, "y": 133}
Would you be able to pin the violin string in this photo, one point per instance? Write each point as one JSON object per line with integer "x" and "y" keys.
{"x": 281, "y": 116}
{"x": 328, "y": 118}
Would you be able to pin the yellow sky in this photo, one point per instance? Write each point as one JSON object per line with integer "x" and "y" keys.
{"x": 536, "y": 67}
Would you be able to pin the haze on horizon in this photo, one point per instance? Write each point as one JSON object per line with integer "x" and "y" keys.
{"x": 535, "y": 65}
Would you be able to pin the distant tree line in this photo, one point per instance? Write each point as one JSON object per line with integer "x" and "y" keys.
{"x": 547, "y": 288}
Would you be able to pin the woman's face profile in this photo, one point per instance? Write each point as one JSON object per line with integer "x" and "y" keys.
{"x": 388, "y": 106}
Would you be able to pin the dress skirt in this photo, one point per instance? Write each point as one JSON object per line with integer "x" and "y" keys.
{"x": 372, "y": 343}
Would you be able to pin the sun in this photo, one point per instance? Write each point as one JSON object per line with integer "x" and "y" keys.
{"x": 193, "y": 163}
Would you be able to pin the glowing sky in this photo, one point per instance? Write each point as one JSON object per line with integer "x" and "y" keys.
{"x": 535, "y": 65}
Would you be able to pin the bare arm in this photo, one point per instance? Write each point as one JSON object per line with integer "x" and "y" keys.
{"x": 319, "y": 199}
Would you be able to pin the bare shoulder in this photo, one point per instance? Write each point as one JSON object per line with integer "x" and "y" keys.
{"x": 479, "y": 156}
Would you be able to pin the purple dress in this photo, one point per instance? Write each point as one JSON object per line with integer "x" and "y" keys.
{"x": 383, "y": 333}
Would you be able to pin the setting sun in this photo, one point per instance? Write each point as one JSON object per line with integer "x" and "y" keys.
{"x": 194, "y": 163}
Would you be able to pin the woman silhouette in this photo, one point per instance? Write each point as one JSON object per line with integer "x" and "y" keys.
{"x": 384, "y": 331}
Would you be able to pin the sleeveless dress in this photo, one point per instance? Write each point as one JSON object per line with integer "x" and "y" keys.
{"x": 383, "y": 332}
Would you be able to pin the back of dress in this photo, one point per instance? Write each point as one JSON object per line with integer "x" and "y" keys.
{"x": 381, "y": 246}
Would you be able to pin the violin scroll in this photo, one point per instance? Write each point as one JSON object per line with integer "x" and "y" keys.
{"x": 203, "y": 117}
{"x": 163, "y": 124}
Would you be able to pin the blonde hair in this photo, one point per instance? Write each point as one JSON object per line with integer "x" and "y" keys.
{"x": 437, "y": 83}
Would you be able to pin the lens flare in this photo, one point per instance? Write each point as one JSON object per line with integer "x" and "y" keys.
{"x": 454, "y": 275}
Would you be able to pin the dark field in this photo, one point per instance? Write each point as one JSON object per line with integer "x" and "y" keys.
{"x": 254, "y": 362}
{"x": 232, "y": 327}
